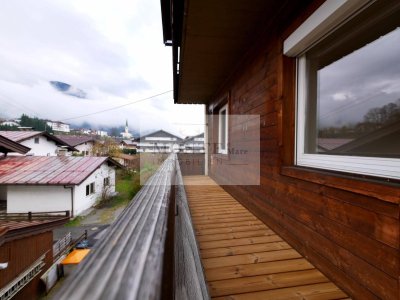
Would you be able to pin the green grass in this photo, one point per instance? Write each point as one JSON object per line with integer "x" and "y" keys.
{"x": 75, "y": 222}
{"x": 127, "y": 185}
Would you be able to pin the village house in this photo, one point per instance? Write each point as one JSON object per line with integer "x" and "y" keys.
{"x": 40, "y": 184}
{"x": 58, "y": 126}
{"x": 40, "y": 143}
{"x": 194, "y": 144}
{"x": 128, "y": 144}
{"x": 26, "y": 252}
{"x": 83, "y": 144}
{"x": 159, "y": 142}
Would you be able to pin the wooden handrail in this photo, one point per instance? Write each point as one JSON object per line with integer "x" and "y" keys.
{"x": 149, "y": 252}
{"x": 189, "y": 276}
{"x": 128, "y": 262}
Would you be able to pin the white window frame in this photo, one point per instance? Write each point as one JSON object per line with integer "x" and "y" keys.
{"x": 330, "y": 15}
{"x": 223, "y": 151}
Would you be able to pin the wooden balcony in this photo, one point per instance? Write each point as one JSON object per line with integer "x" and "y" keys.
{"x": 186, "y": 238}
{"x": 242, "y": 257}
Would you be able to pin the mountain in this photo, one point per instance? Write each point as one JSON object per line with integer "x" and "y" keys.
{"x": 68, "y": 89}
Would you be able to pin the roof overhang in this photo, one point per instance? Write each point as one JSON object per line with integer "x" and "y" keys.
{"x": 58, "y": 141}
{"x": 212, "y": 39}
{"x": 7, "y": 145}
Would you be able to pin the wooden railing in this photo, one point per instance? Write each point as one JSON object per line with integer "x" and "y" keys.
{"x": 189, "y": 280}
{"x": 149, "y": 252}
{"x": 29, "y": 216}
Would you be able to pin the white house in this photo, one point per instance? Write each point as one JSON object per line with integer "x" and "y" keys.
{"x": 58, "y": 126}
{"x": 42, "y": 184}
{"x": 194, "y": 144}
{"x": 40, "y": 142}
{"x": 82, "y": 143}
{"x": 160, "y": 142}
{"x": 10, "y": 123}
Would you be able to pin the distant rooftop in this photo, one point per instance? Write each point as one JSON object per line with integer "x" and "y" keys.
{"x": 332, "y": 143}
{"x": 75, "y": 140}
{"x": 160, "y": 134}
{"x": 20, "y": 136}
{"x": 49, "y": 170}
{"x": 13, "y": 227}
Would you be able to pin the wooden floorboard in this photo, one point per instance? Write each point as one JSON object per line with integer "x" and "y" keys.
{"x": 243, "y": 258}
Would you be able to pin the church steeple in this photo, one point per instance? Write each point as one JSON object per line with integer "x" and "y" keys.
{"x": 126, "y": 127}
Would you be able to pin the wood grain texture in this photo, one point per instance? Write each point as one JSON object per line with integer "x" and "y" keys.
{"x": 189, "y": 275}
{"x": 346, "y": 224}
{"x": 128, "y": 262}
{"x": 249, "y": 261}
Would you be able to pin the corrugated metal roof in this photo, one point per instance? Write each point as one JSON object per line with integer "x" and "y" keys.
{"x": 18, "y": 136}
{"x": 75, "y": 140}
{"x": 48, "y": 170}
{"x": 13, "y": 229}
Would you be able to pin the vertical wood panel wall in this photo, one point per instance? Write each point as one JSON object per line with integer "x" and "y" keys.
{"x": 347, "y": 227}
{"x": 21, "y": 254}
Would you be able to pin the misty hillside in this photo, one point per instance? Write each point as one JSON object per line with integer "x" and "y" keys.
{"x": 68, "y": 89}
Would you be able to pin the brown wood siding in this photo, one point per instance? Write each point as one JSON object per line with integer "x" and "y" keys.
{"x": 347, "y": 226}
{"x": 21, "y": 254}
{"x": 191, "y": 163}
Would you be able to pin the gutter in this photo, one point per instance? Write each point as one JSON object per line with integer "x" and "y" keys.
{"x": 72, "y": 187}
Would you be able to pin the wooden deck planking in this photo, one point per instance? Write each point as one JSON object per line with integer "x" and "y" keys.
{"x": 242, "y": 257}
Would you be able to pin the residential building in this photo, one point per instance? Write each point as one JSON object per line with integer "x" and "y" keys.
{"x": 26, "y": 252}
{"x": 9, "y": 123}
{"x": 194, "y": 144}
{"x": 301, "y": 67}
{"x": 58, "y": 126}
{"x": 159, "y": 142}
{"x": 101, "y": 133}
{"x": 128, "y": 144}
{"x": 40, "y": 143}
{"x": 40, "y": 184}
{"x": 83, "y": 144}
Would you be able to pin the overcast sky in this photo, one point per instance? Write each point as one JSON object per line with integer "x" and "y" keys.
{"x": 112, "y": 50}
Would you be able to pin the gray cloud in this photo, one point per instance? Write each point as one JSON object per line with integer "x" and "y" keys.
{"x": 366, "y": 78}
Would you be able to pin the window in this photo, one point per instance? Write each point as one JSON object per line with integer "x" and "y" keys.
{"x": 223, "y": 130}
{"x": 106, "y": 181}
{"x": 36, "y": 140}
{"x": 90, "y": 189}
{"x": 348, "y": 92}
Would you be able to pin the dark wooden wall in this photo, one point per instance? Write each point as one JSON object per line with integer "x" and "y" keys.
{"x": 191, "y": 163}
{"x": 21, "y": 254}
{"x": 345, "y": 225}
